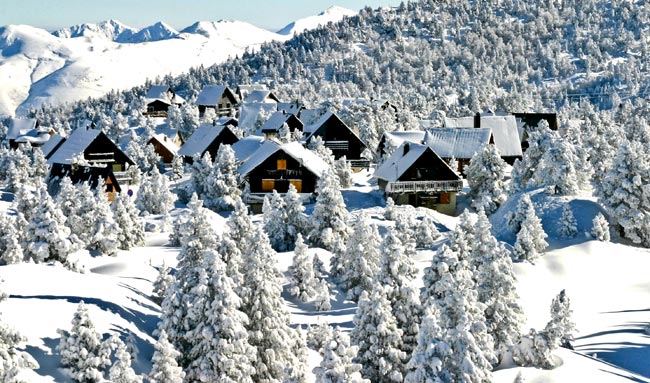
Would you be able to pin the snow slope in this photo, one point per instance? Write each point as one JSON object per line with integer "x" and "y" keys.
{"x": 606, "y": 282}
{"x": 331, "y": 14}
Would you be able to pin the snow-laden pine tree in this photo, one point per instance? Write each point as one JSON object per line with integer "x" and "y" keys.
{"x": 600, "y": 228}
{"x": 303, "y": 283}
{"x": 275, "y": 219}
{"x": 360, "y": 262}
{"x": 219, "y": 349}
{"x": 164, "y": 365}
{"x": 81, "y": 349}
{"x": 330, "y": 219}
{"x": 297, "y": 222}
{"x": 496, "y": 284}
{"x": 337, "y": 365}
{"x": 396, "y": 273}
{"x": 121, "y": 371}
{"x": 516, "y": 217}
{"x": 317, "y": 145}
{"x": 462, "y": 237}
{"x": 10, "y": 247}
{"x": 485, "y": 175}
{"x": 178, "y": 168}
{"x": 78, "y": 203}
{"x": 390, "y": 212}
{"x": 240, "y": 227}
{"x": 625, "y": 192}
{"x": 378, "y": 338}
{"x": 343, "y": 170}
{"x": 534, "y": 350}
{"x": 154, "y": 195}
{"x": 568, "y": 226}
{"x": 200, "y": 173}
{"x": 162, "y": 282}
{"x": 425, "y": 365}
{"x": 46, "y": 238}
{"x": 556, "y": 168}
{"x": 531, "y": 238}
{"x": 127, "y": 218}
{"x": 268, "y": 327}
{"x": 12, "y": 360}
{"x": 222, "y": 188}
{"x": 426, "y": 232}
{"x": 540, "y": 138}
{"x": 560, "y": 328}
{"x": 322, "y": 296}
{"x": 105, "y": 231}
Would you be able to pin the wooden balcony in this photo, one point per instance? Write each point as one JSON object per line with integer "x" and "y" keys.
{"x": 424, "y": 186}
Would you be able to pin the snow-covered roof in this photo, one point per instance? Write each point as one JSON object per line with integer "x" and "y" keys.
{"x": 459, "y": 122}
{"x": 457, "y": 142}
{"x": 505, "y": 133}
{"x": 167, "y": 143}
{"x": 245, "y": 147}
{"x": 396, "y": 138}
{"x": 249, "y": 113}
{"x": 211, "y": 94}
{"x": 260, "y": 95}
{"x": 295, "y": 150}
{"x": 311, "y": 128}
{"x": 310, "y": 116}
{"x": 398, "y": 163}
{"x": 225, "y": 120}
{"x": 20, "y": 127}
{"x": 275, "y": 122}
{"x": 245, "y": 90}
{"x": 52, "y": 144}
{"x": 159, "y": 91}
{"x": 199, "y": 141}
{"x": 33, "y": 137}
{"x": 290, "y": 107}
{"x": 76, "y": 143}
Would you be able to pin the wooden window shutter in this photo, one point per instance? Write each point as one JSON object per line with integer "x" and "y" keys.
{"x": 297, "y": 184}
{"x": 282, "y": 164}
{"x": 268, "y": 185}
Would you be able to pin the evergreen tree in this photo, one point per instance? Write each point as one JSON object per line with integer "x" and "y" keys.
{"x": 343, "y": 171}
{"x": 81, "y": 349}
{"x": 337, "y": 365}
{"x": 200, "y": 173}
{"x": 162, "y": 282}
{"x": 178, "y": 169}
{"x": 164, "y": 368}
{"x": 154, "y": 195}
{"x": 531, "y": 239}
{"x": 462, "y": 237}
{"x": 105, "y": 230}
{"x": 425, "y": 365}
{"x": 222, "y": 183}
{"x": 361, "y": 259}
{"x": 390, "y": 212}
{"x": 10, "y": 248}
{"x": 121, "y": 371}
{"x": 516, "y": 217}
{"x": 561, "y": 328}
{"x": 568, "y": 226}
{"x": 322, "y": 296}
{"x": 78, "y": 204}
{"x": 600, "y": 228}
{"x": 275, "y": 219}
{"x": 426, "y": 232}
{"x": 297, "y": 222}
{"x": 378, "y": 338}
{"x": 303, "y": 283}
{"x": 557, "y": 168}
{"x": 127, "y": 218}
{"x": 485, "y": 175}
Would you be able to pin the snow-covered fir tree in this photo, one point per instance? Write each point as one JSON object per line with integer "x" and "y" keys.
{"x": 322, "y": 296}
{"x": 600, "y": 228}
{"x": 556, "y": 168}
{"x": 164, "y": 366}
{"x": 378, "y": 338}
{"x": 561, "y": 327}
{"x": 568, "y": 226}
{"x": 330, "y": 219}
{"x": 485, "y": 175}
{"x": 178, "y": 168}
{"x": 425, "y": 365}
{"x": 337, "y": 364}
{"x": 240, "y": 227}
{"x": 390, "y": 212}
{"x": 81, "y": 349}
{"x": 516, "y": 217}
{"x": 534, "y": 350}
{"x": 222, "y": 184}
{"x": 531, "y": 238}
{"x": 10, "y": 247}
{"x": 78, "y": 204}
{"x": 219, "y": 345}
{"x": 343, "y": 170}
{"x": 462, "y": 237}
{"x": 624, "y": 192}
{"x": 426, "y": 232}
{"x": 275, "y": 219}
{"x": 162, "y": 282}
{"x": 127, "y": 218}
{"x": 360, "y": 262}
{"x": 121, "y": 371}
{"x": 302, "y": 281}
{"x": 12, "y": 360}
{"x": 154, "y": 196}
{"x": 496, "y": 286}
{"x": 200, "y": 173}
{"x": 317, "y": 145}
{"x": 268, "y": 327}
{"x": 297, "y": 222}
{"x": 105, "y": 229}
{"x": 540, "y": 138}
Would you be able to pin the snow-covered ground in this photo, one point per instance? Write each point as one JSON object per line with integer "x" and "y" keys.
{"x": 606, "y": 282}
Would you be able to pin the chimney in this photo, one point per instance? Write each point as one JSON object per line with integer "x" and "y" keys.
{"x": 477, "y": 120}
{"x": 407, "y": 147}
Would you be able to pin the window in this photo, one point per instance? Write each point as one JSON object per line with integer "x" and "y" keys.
{"x": 268, "y": 185}
{"x": 445, "y": 198}
{"x": 282, "y": 164}
{"x": 297, "y": 184}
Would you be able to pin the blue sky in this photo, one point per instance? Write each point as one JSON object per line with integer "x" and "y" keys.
{"x": 270, "y": 14}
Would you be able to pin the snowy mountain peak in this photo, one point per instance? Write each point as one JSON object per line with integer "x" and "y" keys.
{"x": 331, "y": 14}
{"x": 113, "y": 30}
{"x": 156, "y": 32}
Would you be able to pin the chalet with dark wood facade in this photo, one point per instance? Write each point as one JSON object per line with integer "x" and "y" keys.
{"x": 417, "y": 176}
{"x": 217, "y": 97}
{"x": 207, "y": 138}
{"x": 159, "y": 99}
{"x": 338, "y": 137}
{"x": 274, "y": 124}
{"x": 27, "y": 131}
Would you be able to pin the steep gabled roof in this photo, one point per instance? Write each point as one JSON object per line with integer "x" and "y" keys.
{"x": 76, "y": 143}
{"x": 295, "y": 150}
{"x": 397, "y": 138}
{"x": 20, "y": 127}
{"x": 166, "y": 143}
{"x": 201, "y": 139}
{"x": 211, "y": 94}
{"x": 311, "y": 128}
{"x": 457, "y": 142}
{"x": 52, "y": 145}
{"x": 245, "y": 147}
{"x": 505, "y": 133}
{"x": 261, "y": 96}
{"x": 397, "y": 164}
{"x": 249, "y": 113}
{"x": 276, "y": 121}
{"x": 459, "y": 122}
{"x": 163, "y": 93}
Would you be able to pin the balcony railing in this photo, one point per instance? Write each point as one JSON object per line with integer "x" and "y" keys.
{"x": 424, "y": 186}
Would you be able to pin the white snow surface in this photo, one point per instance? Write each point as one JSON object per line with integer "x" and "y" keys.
{"x": 332, "y": 14}
{"x": 606, "y": 282}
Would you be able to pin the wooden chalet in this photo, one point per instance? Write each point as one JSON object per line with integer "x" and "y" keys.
{"x": 159, "y": 98}
{"x": 217, "y": 97}
{"x": 275, "y": 166}
{"x": 277, "y": 120}
{"x": 92, "y": 149}
{"x": 243, "y": 90}
{"x": 338, "y": 137}
{"x": 417, "y": 176}
{"x": 164, "y": 147}
{"x": 395, "y": 139}
{"x": 261, "y": 96}
{"x": 27, "y": 131}
{"x": 207, "y": 138}
{"x": 95, "y": 176}
{"x": 458, "y": 143}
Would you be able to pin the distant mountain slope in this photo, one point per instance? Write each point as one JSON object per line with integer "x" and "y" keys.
{"x": 332, "y": 14}
{"x": 110, "y": 29}
{"x": 158, "y": 31}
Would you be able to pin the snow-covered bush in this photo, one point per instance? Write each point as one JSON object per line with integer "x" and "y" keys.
{"x": 344, "y": 172}
{"x": 426, "y": 232}
{"x": 600, "y": 228}
{"x": 568, "y": 226}
{"x": 390, "y": 212}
